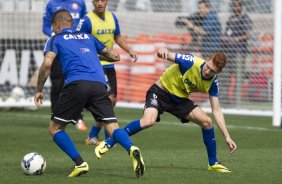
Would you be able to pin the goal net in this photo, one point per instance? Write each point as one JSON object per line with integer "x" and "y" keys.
{"x": 148, "y": 25}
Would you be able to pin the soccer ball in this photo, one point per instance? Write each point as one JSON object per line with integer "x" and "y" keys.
{"x": 33, "y": 164}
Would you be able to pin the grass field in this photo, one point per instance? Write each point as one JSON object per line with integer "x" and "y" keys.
{"x": 173, "y": 153}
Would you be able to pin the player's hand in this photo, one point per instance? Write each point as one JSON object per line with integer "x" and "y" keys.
{"x": 38, "y": 99}
{"x": 163, "y": 53}
{"x": 231, "y": 144}
{"x": 133, "y": 55}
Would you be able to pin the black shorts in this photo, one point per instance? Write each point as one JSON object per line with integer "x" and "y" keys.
{"x": 79, "y": 94}
{"x": 163, "y": 101}
{"x": 111, "y": 78}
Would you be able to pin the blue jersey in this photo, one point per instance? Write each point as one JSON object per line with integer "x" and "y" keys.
{"x": 77, "y": 53}
{"x": 77, "y": 9}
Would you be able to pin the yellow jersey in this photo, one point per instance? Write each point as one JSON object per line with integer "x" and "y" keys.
{"x": 103, "y": 29}
{"x": 185, "y": 77}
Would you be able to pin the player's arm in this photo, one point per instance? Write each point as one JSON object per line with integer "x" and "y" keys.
{"x": 109, "y": 55}
{"x": 220, "y": 122}
{"x": 120, "y": 40}
{"x": 42, "y": 77}
{"x": 46, "y": 27}
{"x": 165, "y": 54}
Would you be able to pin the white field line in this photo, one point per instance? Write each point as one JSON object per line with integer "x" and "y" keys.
{"x": 162, "y": 122}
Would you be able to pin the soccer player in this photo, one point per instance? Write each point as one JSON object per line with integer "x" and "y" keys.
{"x": 85, "y": 86}
{"x": 104, "y": 26}
{"x": 77, "y": 9}
{"x": 171, "y": 94}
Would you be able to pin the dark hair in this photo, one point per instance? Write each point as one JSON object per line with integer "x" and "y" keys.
{"x": 206, "y": 2}
{"x": 219, "y": 60}
{"x": 61, "y": 15}
{"x": 237, "y": 1}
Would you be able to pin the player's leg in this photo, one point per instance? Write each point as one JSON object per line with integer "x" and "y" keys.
{"x": 63, "y": 115}
{"x": 201, "y": 118}
{"x": 101, "y": 108}
{"x": 150, "y": 116}
{"x": 110, "y": 75}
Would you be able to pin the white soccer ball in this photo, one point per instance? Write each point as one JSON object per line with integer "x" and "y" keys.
{"x": 33, "y": 164}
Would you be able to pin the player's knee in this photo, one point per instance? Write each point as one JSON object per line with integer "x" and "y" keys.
{"x": 147, "y": 122}
{"x": 206, "y": 123}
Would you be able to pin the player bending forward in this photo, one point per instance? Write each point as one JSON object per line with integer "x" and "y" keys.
{"x": 171, "y": 94}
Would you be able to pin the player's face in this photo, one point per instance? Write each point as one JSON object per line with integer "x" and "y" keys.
{"x": 209, "y": 69}
{"x": 236, "y": 8}
{"x": 203, "y": 9}
{"x": 100, "y": 5}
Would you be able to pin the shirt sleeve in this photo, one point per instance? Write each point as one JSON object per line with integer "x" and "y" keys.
{"x": 83, "y": 9}
{"x": 117, "y": 31}
{"x": 214, "y": 89}
{"x": 99, "y": 46}
{"x": 46, "y": 27}
{"x": 51, "y": 45}
{"x": 185, "y": 61}
{"x": 84, "y": 25}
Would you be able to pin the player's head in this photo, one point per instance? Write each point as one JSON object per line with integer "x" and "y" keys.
{"x": 100, "y": 5}
{"x": 204, "y": 7}
{"x": 237, "y": 7}
{"x": 214, "y": 64}
{"x": 60, "y": 20}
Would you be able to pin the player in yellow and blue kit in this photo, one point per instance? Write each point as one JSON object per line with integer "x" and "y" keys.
{"x": 105, "y": 27}
{"x": 171, "y": 94}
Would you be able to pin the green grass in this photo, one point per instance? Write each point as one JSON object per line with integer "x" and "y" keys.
{"x": 173, "y": 153}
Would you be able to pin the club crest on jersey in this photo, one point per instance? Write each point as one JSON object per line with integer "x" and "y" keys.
{"x": 74, "y": 6}
{"x": 76, "y": 37}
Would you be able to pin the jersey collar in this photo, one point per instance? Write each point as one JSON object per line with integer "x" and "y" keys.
{"x": 70, "y": 30}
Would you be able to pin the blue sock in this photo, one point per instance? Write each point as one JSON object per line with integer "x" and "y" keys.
{"x": 131, "y": 129}
{"x": 62, "y": 139}
{"x": 94, "y": 132}
{"x": 209, "y": 140}
{"x": 121, "y": 137}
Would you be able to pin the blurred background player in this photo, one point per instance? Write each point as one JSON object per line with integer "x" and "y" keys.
{"x": 208, "y": 27}
{"x": 85, "y": 86}
{"x": 77, "y": 9}
{"x": 104, "y": 26}
{"x": 171, "y": 94}
{"x": 235, "y": 45}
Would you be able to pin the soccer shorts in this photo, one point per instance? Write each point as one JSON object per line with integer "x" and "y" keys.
{"x": 111, "y": 78}
{"x": 57, "y": 82}
{"x": 79, "y": 94}
{"x": 163, "y": 101}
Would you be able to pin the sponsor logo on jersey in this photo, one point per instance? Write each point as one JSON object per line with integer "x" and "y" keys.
{"x": 190, "y": 84}
{"x": 76, "y": 37}
{"x": 105, "y": 31}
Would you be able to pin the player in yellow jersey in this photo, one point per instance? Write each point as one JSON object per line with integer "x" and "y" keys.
{"x": 171, "y": 94}
{"x": 104, "y": 26}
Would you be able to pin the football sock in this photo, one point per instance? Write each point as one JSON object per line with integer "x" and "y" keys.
{"x": 131, "y": 129}
{"x": 209, "y": 140}
{"x": 121, "y": 137}
{"x": 94, "y": 132}
{"x": 64, "y": 142}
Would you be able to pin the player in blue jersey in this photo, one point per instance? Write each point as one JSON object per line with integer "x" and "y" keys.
{"x": 171, "y": 94}
{"x": 85, "y": 86}
{"x": 77, "y": 9}
{"x": 104, "y": 26}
